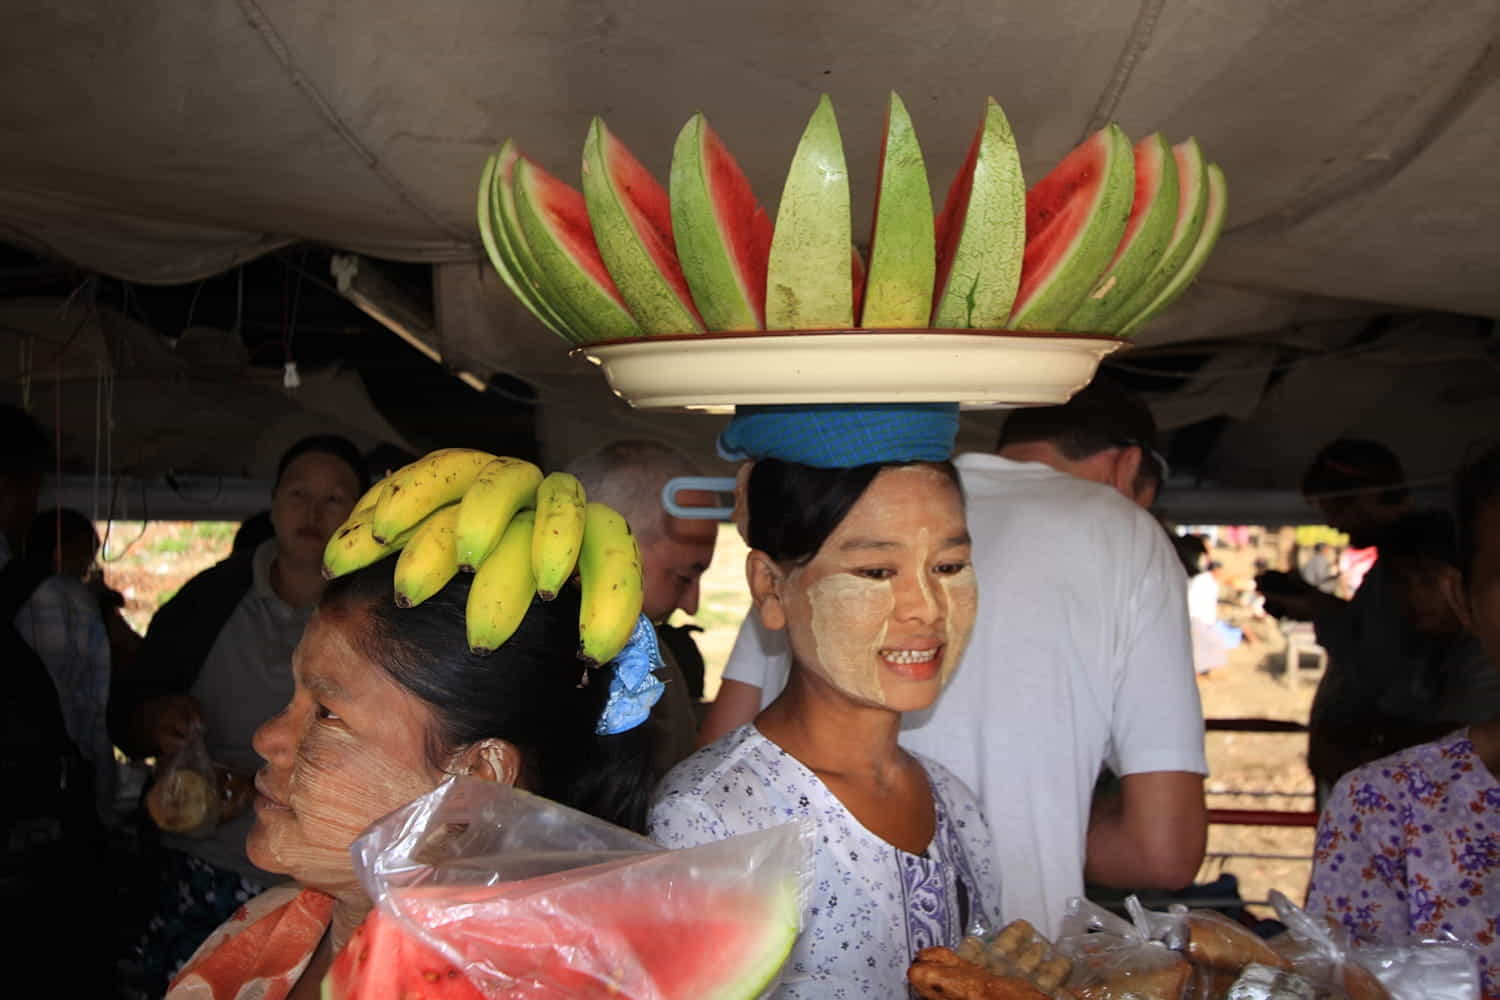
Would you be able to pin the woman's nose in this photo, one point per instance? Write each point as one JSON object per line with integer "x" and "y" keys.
{"x": 917, "y": 598}
{"x": 275, "y": 739}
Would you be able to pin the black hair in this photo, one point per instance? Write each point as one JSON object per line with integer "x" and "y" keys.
{"x": 1426, "y": 535}
{"x": 532, "y": 692}
{"x": 794, "y": 508}
{"x": 1352, "y": 465}
{"x": 1192, "y": 552}
{"x": 329, "y": 444}
{"x": 1100, "y": 416}
{"x": 1476, "y": 490}
{"x": 49, "y": 526}
{"x": 24, "y": 448}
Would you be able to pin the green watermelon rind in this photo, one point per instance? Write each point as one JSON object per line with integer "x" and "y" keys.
{"x": 653, "y": 302}
{"x": 602, "y": 315}
{"x": 1179, "y": 245}
{"x": 1138, "y": 253}
{"x": 757, "y": 979}
{"x": 986, "y": 268}
{"x": 511, "y": 235}
{"x": 1078, "y": 267}
{"x": 808, "y": 284}
{"x": 1213, "y": 225}
{"x": 706, "y": 260}
{"x": 903, "y": 250}
{"x": 500, "y": 255}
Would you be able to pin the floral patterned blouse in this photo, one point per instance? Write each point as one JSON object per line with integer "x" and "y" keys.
{"x": 1410, "y": 845}
{"x": 871, "y": 906}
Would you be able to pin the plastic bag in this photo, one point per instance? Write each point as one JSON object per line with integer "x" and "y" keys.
{"x": 184, "y": 798}
{"x": 1116, "y": 959}
{"x": 1419, "y": 970}
{"x": 531, "y": 899}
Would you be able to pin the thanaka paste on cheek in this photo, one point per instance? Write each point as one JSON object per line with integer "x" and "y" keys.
{"x": 842, "y": 606}
{"x": 339, "y": 786}
{"x": 961, "y": 597}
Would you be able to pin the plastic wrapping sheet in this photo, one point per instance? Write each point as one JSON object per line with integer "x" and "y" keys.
{"x": 531, "y": 899}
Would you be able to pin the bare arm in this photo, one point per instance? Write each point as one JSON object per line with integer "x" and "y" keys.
{"x": 1149, "y": 835}
{"x": 736, "y": 704}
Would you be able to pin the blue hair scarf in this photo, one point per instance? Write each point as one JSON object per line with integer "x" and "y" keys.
{"x": 840, "y": 436}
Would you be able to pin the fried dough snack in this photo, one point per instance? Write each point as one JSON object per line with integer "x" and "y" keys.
{"x": 1217, "y": 941}
{"x": 1019, "y": 952}
{"x": 939, "y": 974}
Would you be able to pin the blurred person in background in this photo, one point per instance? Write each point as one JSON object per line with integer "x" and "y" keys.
{"x": 215, "y": 665}
{"x": 67, "y": 542}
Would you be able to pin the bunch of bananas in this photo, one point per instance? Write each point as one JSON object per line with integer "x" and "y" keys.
{"x": 520, "y": 533}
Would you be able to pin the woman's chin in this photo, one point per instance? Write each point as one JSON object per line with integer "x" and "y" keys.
{"x": 261, "y": 852}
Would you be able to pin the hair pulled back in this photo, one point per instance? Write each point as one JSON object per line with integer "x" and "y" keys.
{"x": 531, "y": 692}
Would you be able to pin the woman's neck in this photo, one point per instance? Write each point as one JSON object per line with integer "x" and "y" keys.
{"x": 831, "y": 733}
{"x": 297, "y": 584}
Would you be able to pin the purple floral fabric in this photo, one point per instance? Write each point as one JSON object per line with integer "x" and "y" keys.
{"x": 1410, "y": 846}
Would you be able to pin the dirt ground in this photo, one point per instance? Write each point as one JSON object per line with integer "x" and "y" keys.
{"x": 149, "y": 562}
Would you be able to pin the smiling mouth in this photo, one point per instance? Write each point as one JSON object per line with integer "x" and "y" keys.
{"x": 910, "y": 657}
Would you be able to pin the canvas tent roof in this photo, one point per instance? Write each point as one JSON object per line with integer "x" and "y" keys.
{"x": 163, "y": 142}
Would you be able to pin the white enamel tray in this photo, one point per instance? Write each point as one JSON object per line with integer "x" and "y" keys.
{"x": 979, "y": 369}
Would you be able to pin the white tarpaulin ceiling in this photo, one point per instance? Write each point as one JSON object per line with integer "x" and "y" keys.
{"x": 163, "y": 142}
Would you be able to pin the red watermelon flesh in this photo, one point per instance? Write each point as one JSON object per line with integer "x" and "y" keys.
{"x": 1075, "y": 217}
{"x": 722, "y": 234}
{"x": 556, "y": 223}
{"x": 383, "y": 960}
{"x": 548, "y": 938}
{"x": 631, "y": 218}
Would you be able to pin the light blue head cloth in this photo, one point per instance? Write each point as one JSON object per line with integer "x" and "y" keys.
{"x": 840, "y": 436}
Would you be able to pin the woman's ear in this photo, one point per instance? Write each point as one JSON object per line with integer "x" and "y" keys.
{"x": 490, "y": 759}
{"x": 1452, "y": 583}
{"x": 765, "y": 589}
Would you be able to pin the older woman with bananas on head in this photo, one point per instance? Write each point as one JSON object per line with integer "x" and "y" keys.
{"x": 412, "y": 670}
{"x": 860, "y": 552}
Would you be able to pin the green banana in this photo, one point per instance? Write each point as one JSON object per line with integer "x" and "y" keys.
{"x": 502, "y": 487}
{"x": 429, "y": 559}
{"x": 609, "y": 571}
{"x": 502, "y": 589}
{"x": 353, "y": 545}
{"x": 558, "y": 534}
{"x": 418, "y": 489}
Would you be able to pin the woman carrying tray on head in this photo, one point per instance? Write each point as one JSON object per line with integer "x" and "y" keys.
{"x": 859, "y": 550}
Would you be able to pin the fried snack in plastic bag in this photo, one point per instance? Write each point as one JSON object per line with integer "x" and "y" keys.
{"x": 184, "y": 796}
{"x": 1116, "y": 959}
{"x": 1265, "y": 982}
{"x": 942, "y": 974}
{"x": 531, "y": 900}
{"x": 1218, "y": 942}
{"x": 1325, "y": 953}
{"x": 1019, "y": 951}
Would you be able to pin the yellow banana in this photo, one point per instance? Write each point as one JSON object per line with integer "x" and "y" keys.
{"x": 372, "y": 496}
{"x": 502, "y": 589}
{"x": 558, "y": 534}
{"x": 609, "y": 571}
{"x": 418, "y": 489}
{"x": 353, "y": 546}
{"x": 502, "y": 487}
{"x": 429, "y": 559}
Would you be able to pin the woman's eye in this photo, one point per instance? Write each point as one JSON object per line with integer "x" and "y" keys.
{"x": 952, "y": 568}
{"x": 876, "y": 573}
{"x": 324, "y": 715}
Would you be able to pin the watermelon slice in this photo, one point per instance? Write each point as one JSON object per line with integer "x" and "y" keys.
{"x": 555, "y": 222}
{"x": 981, "y": 232}
{"x": 723, "y": 235}
{"x": 587, "y": 941}
{"x": 808, "y": 277}
{"x": 1192, "y": 208}
{"x": 1153, "y": 216}
{"x": 1075, "y": 217}
{"x": 1213, "y": 225}
{"x": 509, "y": 234}
{"x": 383, "y": 960}
{"x": 632, "y": 221}
{"x": 497, "y": 245}
{"x": 903, "y": 256}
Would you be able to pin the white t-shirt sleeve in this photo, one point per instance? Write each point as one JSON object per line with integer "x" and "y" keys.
{"x": 1157, "y": 723}
{"x": 760, "y": 658}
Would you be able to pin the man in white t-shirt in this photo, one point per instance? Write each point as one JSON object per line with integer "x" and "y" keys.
{"x": 1080, "y": 659}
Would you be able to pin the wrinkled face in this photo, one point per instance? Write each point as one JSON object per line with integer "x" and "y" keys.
{"x": 316, "y": 493}
{"x": 1483, "y": 592}
{"x": 349, "y": 748}
{"x": 673, "y": 562}
{"x": 883, "y": 611}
